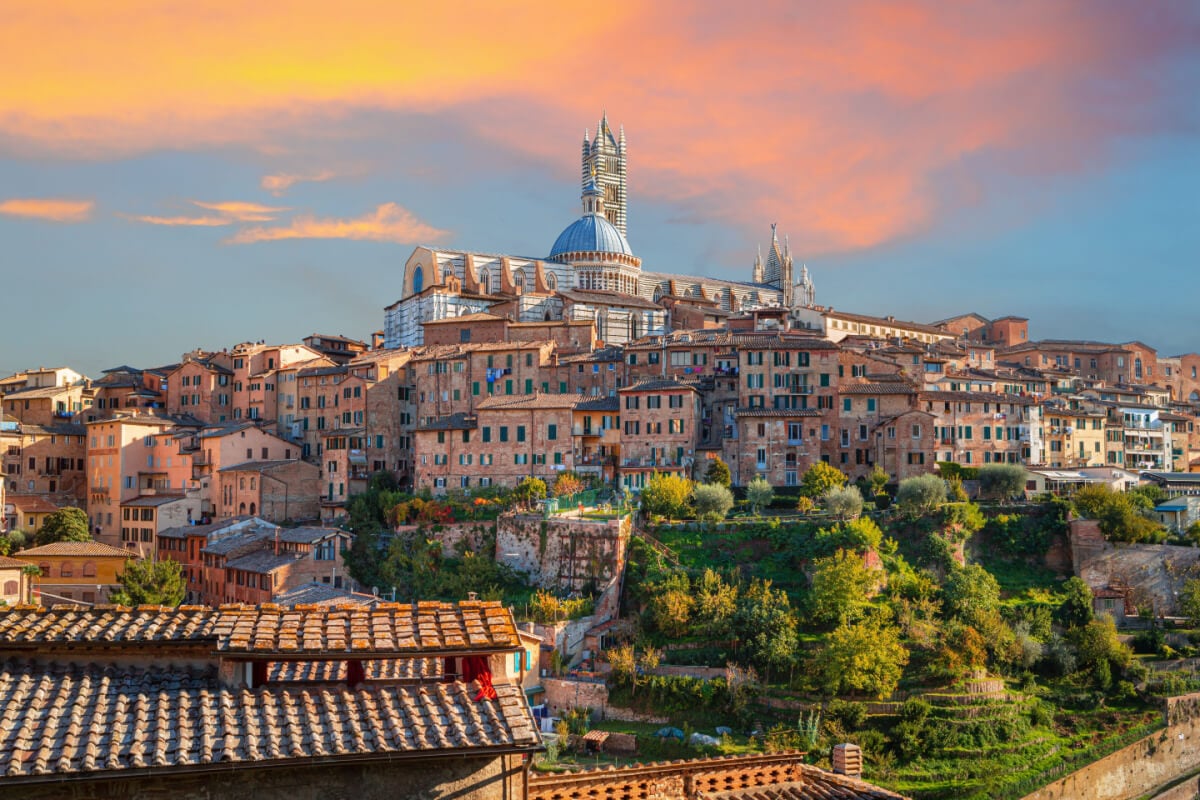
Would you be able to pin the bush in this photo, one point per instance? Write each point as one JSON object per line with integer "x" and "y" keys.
{"x": 712, "y": 501}
{"x": 844, "y": 503}
{"x": 820, "y": 478}
{"x": 921, "y": 495}
{"x": 759, "y": 494}
{"x": 1002, "y": 481}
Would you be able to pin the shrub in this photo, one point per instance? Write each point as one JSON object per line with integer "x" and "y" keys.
{"x": 820, "y": 478}
{"x": 921, "y": 495}
{"x": 712, "y": 501}
{"x": 759, "y": 493}
{"x": 718, "y": 472}
{"x": 844, "y": 503}
{"x": 1002, "y": 481}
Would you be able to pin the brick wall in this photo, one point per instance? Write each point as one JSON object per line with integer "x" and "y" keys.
{"x": 1138, "y": 769}
{"x": 561, "y": 552}
{"x": 563, "y": 695}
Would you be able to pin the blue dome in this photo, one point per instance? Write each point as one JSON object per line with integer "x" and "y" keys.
{"x": 588, "y": 234}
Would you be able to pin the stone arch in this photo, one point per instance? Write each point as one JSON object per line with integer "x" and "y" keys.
{"x": 253, "y": 510}
{"x": 485, "y": 280}
{"x": 418, "y": 279}
{"x": 518, "y": 277}
{"x": 242, "y": 509}
{"x": 551, "y": 281}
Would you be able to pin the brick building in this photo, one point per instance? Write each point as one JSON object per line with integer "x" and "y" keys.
{"x": 659, "y": 423}
{"x": 978, "y": 428}
{"x": 46, "y": 460}
{"x": 83, "y": 571}
{"x": 276, "y": 491}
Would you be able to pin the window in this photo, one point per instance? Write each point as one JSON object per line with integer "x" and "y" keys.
{"x": 551, "y": 432}
{"x": 487, "y": 433}
{"x": 504, "y": 433}
{"x": 916, "y": 434}
{"x": 847, "y": 404}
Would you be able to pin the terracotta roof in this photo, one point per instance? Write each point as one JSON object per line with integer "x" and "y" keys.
{"x": 325, "y": 595}
{"x": 528, "y": 401}
{"x": 459, "y": 421}
{"x": 386, "y": 669}
{"x": 12, "y": 563}
{"x": 657, "y": 385}
{"x": 71, "y": 720}
{"x": 401, "y": 628}
{"x": 32, "y": 503}
{"x": 599, "y": 404}
{"x": 891, "y": 387}
{"x": 817, "y": 784}
{"x": 788, "y": 413}
{"x": 74, "y": 549}
{"x": 608, "y": 298}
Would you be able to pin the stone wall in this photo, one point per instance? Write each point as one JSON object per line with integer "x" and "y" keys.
{"x": 461, "y": 777}
{"x": 469, "y": 535}
{"x": 562, "y": 552}
{"x": 1138, "y": 769}
{"x": 1188, "y": 790}
{"x": 563, "y": 695}
{"x": 1155, "y": 573}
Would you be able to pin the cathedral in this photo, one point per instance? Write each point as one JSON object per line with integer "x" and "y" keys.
{"x": 589, "y": 274}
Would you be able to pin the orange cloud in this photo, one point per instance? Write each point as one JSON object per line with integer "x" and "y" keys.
{"x": 201, "y": 222}
{"x": 835, "y": 119}
{"x": 279, "y": 183}
{"x": 243, "y": 212}
{"x": 388, "y": 223}
{"x": 52, "y": 210}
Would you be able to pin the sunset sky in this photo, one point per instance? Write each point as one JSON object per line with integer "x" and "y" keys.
{"x": 175, "y": 175}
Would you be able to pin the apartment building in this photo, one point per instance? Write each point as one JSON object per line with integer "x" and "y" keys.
{"x": 979, "y": 428}
{"x": 45, "y": 460}
{"x": 659, "y": 424}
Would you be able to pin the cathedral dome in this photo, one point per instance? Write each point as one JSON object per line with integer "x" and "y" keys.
{"x": 591, "y": 233}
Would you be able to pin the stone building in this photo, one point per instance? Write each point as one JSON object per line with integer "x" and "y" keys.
{"x": 83, "y": 571}
{"x": 660, "y": 422}
{"x": 277, "y": 491}
{"x": 307, "y": 703}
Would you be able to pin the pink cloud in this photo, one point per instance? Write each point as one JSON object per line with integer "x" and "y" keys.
{"x": 49, "y": 209}
{"x": 388, "y": 223}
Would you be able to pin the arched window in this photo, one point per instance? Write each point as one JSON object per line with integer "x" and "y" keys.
{"x": 241, "y": 483}
{"x": 518, "y": 277}
{"x": 253, "y": 510}
{"x": 551, "y": 281}
{"x": 485, "y": 280}
{"x": 67, "y": 569}
{"x": 1194, "y": 396}
{"x": 10, "y": 587}
{"x": 252, "y": 486}
{"x": 418, "y": 279}
{"x": 89, "y": 569}
{"x": 658, "y": 293}
{"x": 242, "y": 509}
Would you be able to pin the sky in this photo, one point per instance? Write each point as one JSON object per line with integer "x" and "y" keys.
{"x": 180, "y": 175}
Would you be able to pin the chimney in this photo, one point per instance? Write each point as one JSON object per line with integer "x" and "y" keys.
{"x": 847, "y": 760}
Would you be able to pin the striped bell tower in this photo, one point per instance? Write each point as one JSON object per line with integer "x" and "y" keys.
{"x": 604, "y": 161}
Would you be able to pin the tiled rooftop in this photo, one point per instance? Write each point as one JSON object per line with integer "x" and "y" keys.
{"x": 433, "y": 627}
{"x": 71, "y": 719}
{"x": 392, "y": 669}
{"x": 59, "y": 549}
{"x": 817, "y": 784}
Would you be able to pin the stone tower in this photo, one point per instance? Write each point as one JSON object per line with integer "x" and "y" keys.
{"x": 604, "y": 160}
{"x": 777, "y": 269}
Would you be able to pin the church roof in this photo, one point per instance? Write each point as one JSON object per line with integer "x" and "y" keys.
{"x": 591, "y": 233}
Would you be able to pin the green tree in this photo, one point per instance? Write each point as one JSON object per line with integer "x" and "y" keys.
{"x": 1189, "y": 601}
{"x": 157, "y": 583}
{"x": 866, "y": 657}
{"x": 1100, "y": 650}
{"x": 969, "y": 592}
{"x": 1091, "y": 499}
{"x": 766, "y": 626}
{"x": 64, "y": 525}
{"x": 759, "y": 494}
{"x": 667, "y": 495}
{"x": 1002, "y": 481}
{"x": 716, "y": 603}
{"x": 1075, "y": 610}
{"x": 878, "y": 479}
{"x": 671, "y": 605}
{"x": 529, "y": 491}
{"x": 860, "y": 535}
{"x": 955, "y": 492}
{"x": 921, "y": 494}
{"x": 712, "y": 501}
{"x": 819, "y": 479}
{"x": 840, "y": 586}
{"x": 845, "y": 502}
{"x": 718, "y": 472}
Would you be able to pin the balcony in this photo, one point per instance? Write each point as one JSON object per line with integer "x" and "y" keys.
{"x": 580, "y": 430}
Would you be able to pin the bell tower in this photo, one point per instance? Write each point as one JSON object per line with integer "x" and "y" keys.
{"x": 604, "y": 161}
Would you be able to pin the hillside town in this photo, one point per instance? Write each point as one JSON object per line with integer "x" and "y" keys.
{"x": 569, "y": 527}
